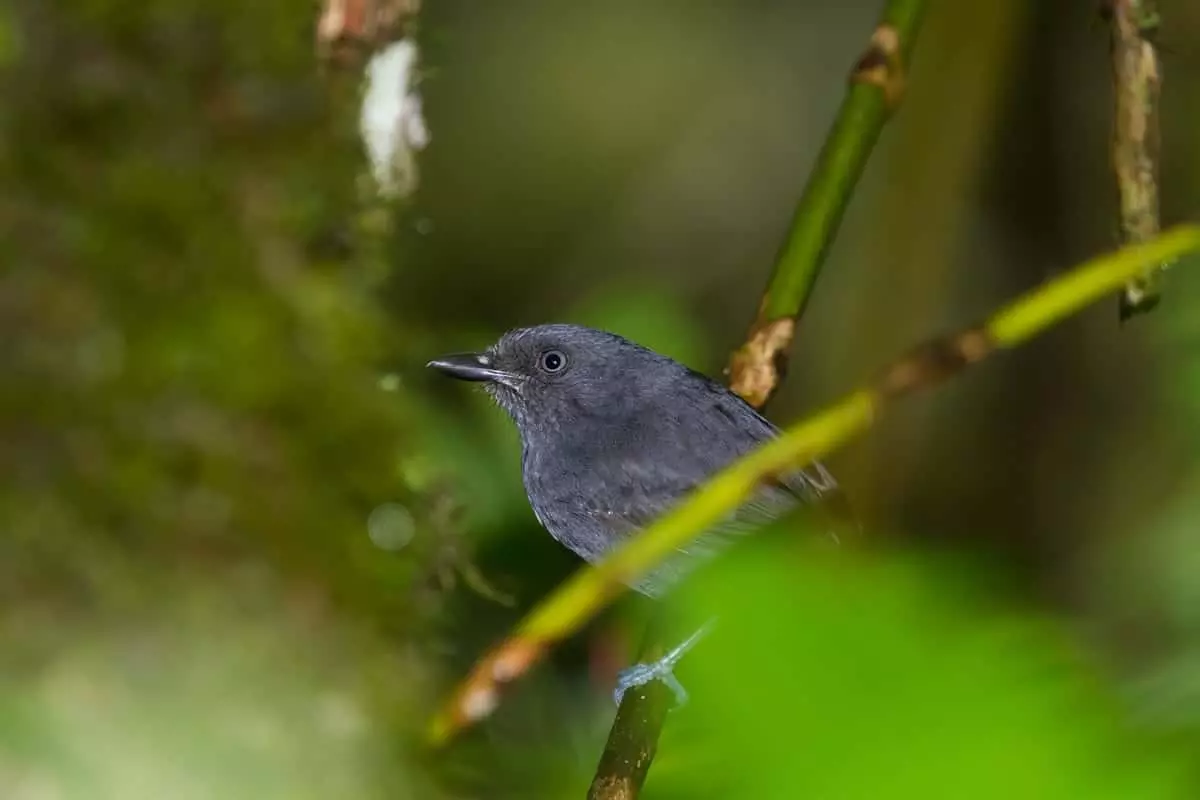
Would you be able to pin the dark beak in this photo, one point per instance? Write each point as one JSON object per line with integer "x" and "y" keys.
{"x": 469, "y": 367}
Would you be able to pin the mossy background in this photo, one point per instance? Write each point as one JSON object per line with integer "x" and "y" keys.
{"x": 212, "y": 363}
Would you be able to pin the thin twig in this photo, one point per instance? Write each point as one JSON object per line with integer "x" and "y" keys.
{"x": 592, "y": 588}
{"x": 1137, "y": 78}
{"x": 876, "y": 88}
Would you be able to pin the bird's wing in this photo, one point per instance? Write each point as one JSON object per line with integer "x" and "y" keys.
{"x": 712, "y": 437}
{"x": 647, "y": 498}
{"x": 651, "y": 491}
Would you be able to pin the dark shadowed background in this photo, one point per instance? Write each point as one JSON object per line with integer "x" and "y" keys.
{"x": 246, "y": 542}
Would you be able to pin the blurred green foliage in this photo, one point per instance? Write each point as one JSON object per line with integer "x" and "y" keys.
{"x": 896, "y": 675}
{"x": 193, "y": 431}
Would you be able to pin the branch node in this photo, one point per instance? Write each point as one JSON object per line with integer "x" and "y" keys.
{"x": 882, "y": 65}
{"x": 933, "y": 362}
{"x": 758, "y": 366}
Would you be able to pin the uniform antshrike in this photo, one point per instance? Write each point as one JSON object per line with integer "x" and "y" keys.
{"x": 612, "y": 435}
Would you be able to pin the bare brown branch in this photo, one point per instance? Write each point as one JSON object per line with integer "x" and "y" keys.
{"x": 1137, "y": 78}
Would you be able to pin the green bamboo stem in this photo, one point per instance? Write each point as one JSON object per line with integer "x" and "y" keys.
{"x": 860, "y": 120}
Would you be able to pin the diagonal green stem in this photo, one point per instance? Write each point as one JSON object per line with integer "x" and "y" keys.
{"x": 593, "y": 587}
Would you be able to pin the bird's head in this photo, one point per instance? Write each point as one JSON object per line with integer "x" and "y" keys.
{"x": 552, "y": 376}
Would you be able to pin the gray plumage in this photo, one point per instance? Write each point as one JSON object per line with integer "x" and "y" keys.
{"x": 613, "y": 434}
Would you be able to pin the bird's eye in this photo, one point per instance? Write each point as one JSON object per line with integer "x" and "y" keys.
{"x": 552, "y": 360}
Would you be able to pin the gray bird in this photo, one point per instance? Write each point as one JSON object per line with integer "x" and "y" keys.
{"x": 612, "y": 435}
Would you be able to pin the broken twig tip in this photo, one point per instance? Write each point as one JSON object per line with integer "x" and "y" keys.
{"x": 1137, "y": 300}
{"x": 758, "y": 366}
{"x": 882, "y": 65}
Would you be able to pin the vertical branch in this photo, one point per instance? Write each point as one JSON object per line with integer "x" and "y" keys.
{"x": 1135, "y": 140}
{"x": 633, "y": 739}
{"x": 348, "y": 31}
{"x": 876, "y": 88}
